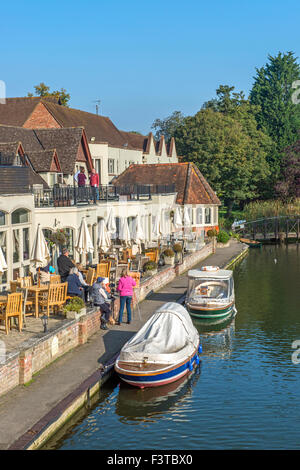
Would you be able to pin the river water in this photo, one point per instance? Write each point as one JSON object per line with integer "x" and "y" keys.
{"x": 245, "y": 394}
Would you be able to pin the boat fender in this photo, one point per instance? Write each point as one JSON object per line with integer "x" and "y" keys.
{"x": 200, "y": 348}
{"x": 190, "y": 365}
{"x": 197, "y": 360}
{"x": 210, "y": 268}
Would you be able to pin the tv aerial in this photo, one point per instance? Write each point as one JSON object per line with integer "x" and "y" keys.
{"x": 97, "y": 105}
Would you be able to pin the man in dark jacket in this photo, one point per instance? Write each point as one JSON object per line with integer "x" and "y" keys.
{"x": 64, "y": 264}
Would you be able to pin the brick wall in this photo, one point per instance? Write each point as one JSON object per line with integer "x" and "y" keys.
{"x": 41, "y": 118}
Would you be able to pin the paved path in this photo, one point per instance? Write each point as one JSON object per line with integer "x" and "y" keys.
{"x": 22, "y": 407}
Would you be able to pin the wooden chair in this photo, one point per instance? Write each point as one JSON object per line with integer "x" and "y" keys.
{"x": 90, "y": 276}
{"x": 55, "y": 297}
{"x": 28, "y": 303}
{"x": 152, "y": 254}
{"x": 55, "y": 279}
{"x": 103, "y": 269}
{"x": 25, "y": 281}
{"x": 136, "y": 276}
{"x": 12, "y": 309}
{"x": 14, "y": 285}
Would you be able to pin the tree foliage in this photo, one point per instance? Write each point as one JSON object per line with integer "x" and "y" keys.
{"x": 272, "y": 90}
{"x": 289, "y": 187}
{"x": 43, "y": 90}
{"x": 222, "y": 139}
{"x": 167, "y": 126}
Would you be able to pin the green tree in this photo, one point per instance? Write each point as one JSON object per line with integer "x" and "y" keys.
{"x": 272, "y": 90}
{"x": 167, "y": 126}
{"x": 43, "y": 90}
{"x": 229, "y": 153}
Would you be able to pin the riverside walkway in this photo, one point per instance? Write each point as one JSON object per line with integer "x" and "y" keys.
{"x": 27, "y": 410}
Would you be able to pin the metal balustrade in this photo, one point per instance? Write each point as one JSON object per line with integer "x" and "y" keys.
{"x": 66, "y": 196}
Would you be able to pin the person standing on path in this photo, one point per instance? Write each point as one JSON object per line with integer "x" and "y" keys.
{"x": 125, "y": 288}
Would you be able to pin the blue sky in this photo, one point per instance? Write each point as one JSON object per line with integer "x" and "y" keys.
{"x": 143, "y": 59}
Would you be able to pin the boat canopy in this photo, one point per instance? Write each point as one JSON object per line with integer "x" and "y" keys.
{"x": 168, "y": 337}
{"x": 220, "y": 274}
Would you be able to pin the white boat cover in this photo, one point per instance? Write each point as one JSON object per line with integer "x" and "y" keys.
{"x": 168, "y": 337}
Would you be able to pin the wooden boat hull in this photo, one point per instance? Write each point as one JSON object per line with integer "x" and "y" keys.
{"x": 209, "y": 313}
{"x": 251, "y": 243}
{"x": 154, "y": 378}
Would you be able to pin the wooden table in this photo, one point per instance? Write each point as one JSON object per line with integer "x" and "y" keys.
{"x": 36, "y": 290}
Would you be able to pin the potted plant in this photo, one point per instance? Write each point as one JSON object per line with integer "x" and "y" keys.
{"x": 75, "y": 308}
{"x": 223, "y": 239}
{"x": 150, "y": 268}
{"x": 169, "y": 255}
{"x": 177, "y": 247}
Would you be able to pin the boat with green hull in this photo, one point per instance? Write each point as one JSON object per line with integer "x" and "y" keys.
{"x": 210, "y": 293}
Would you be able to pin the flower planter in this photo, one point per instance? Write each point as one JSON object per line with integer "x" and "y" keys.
{"x": 72, "y": 315}
{"x": 169, "y": 260}
{"x": 151, "y": 272}
{"x": 223, "y": 245}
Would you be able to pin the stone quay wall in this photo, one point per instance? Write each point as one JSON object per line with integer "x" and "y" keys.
{"x": 19, "y": 367}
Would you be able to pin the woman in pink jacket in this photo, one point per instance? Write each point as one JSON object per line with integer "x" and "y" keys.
{"x": 125, "y": 288}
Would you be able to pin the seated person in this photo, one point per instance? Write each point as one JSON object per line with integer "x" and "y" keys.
{"x": 101, "y": 299}
{"x": 86, "y": 287}
{"x": 45, "y": 272}
{"x": 75, "y": 288}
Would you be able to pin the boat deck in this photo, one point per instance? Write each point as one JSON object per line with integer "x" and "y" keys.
{"x": 141, "y": 366}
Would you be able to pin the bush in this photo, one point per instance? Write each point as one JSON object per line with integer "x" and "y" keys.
{"x": 149, "y": 266}
{"x": 75, "y": 305}
{"x": 212, "y": 233}
{"x": 223, "y": 236}
{"x": 177, "y": 248}
{"x": 169, "y": 253}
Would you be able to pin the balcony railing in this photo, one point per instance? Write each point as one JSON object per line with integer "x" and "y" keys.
{"x": 66, "y": 196}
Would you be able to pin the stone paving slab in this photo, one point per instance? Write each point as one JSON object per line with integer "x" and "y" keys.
{"x": 22, "y": 407}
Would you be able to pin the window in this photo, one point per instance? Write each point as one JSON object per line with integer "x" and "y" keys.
{"x": 20, "y": 216}
{"x": 199, "y": 216}
{"x": 207, "y": 215}
{"x": 3, "y": 276}
{"x": 25, "y": 243}
{"x": 111, "y": 166}
{"x": 2, "y": 218}
{"x": 70, "y": 244}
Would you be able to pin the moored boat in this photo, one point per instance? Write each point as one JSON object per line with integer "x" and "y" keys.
{"x": 251, "y": 243}
{"x": 210, "y": 293}
{"x": 162, "y": 351}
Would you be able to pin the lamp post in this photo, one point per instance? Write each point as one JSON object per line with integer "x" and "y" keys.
{"x": 44, "y": 319}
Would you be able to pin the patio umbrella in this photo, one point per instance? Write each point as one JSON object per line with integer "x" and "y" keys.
{"x": 186, "y": 217}
{"x": 84, "y": 242}
{"x": 157, "y": 227}
{"x": 104, "y": 241}
{"x": 3, "y": 265}
{"x": 138, "y": 235}
{"x": 177, "y": 218}
{"x": 40, "y": 253}
{"x": 111, "y": 224}
{"x": 186, "y": 220}
{"x": 124, "y": 233}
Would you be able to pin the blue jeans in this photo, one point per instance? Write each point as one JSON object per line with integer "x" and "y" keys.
{"x": 125, "y": 299}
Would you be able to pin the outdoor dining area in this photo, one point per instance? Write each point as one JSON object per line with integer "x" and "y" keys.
{"x": 34, "y": 296}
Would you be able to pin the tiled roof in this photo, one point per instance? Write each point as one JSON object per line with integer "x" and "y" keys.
{"x": 100, "y": 127}
{"x": 16, "y": 111}
{"x": 190, "y": 184}
{"x": 66, "y": 141}
{"x": 43, "y": 161}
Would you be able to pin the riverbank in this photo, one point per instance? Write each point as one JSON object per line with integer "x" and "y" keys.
{"x": 29, "y": 415}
